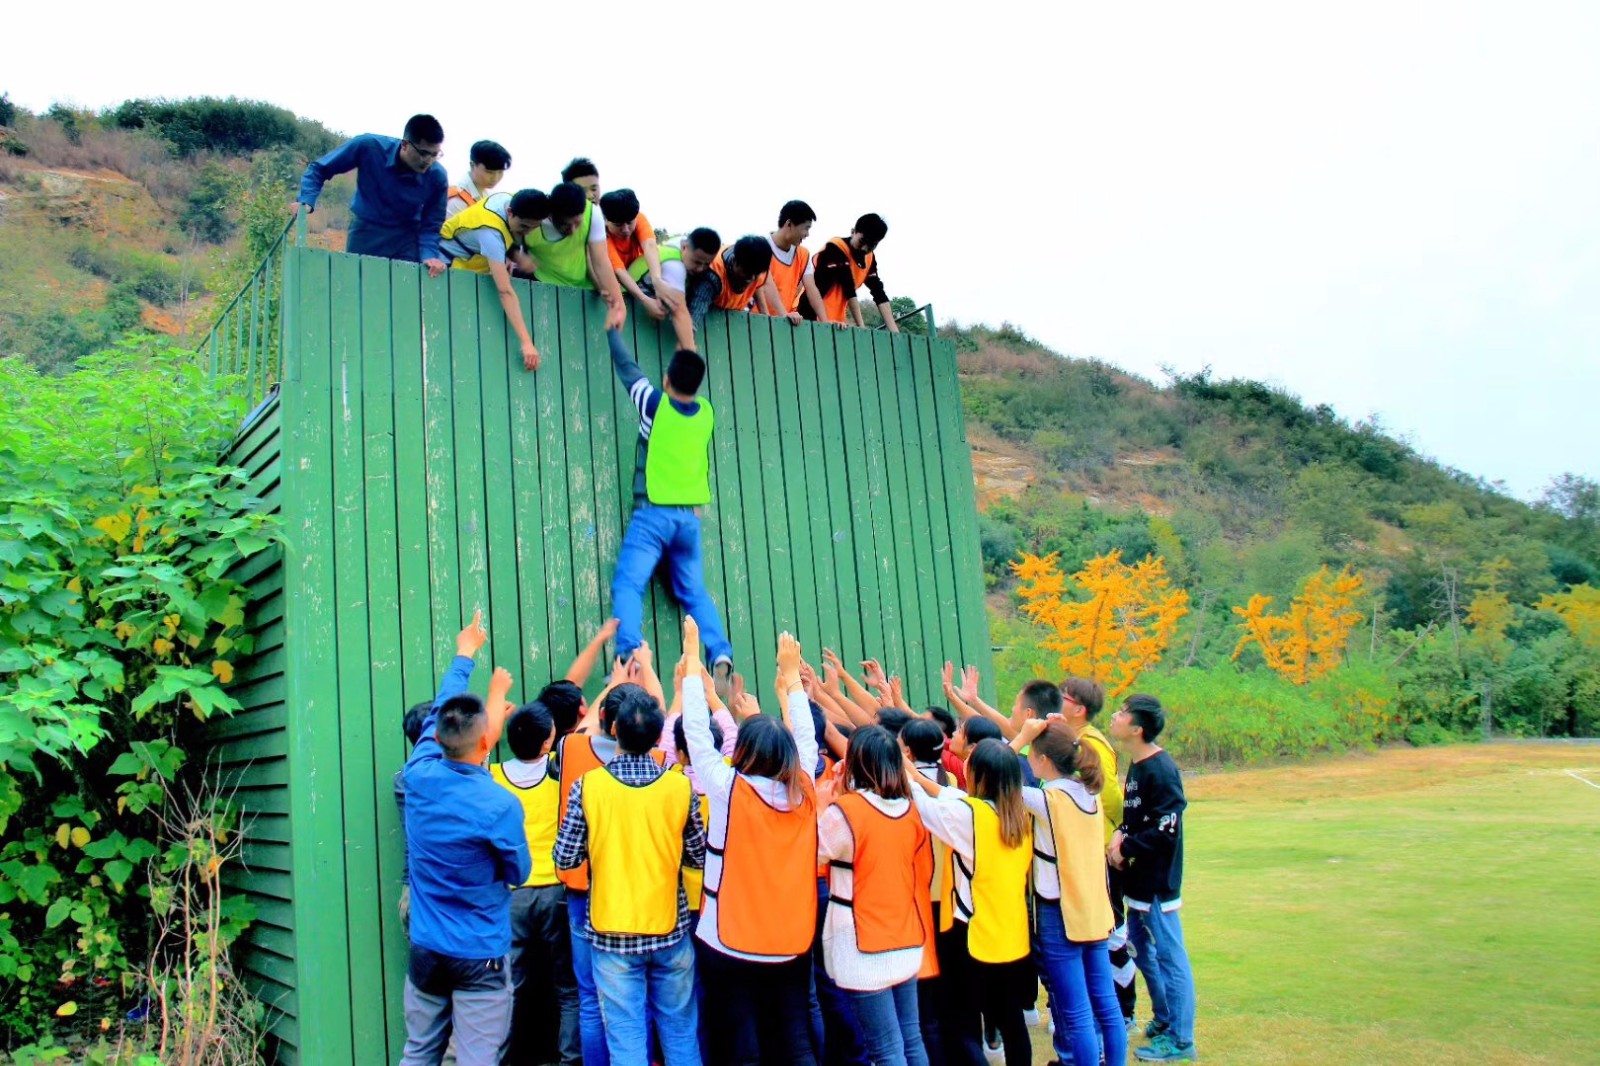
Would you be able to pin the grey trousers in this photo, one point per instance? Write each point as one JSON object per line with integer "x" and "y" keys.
{"x": 544, "y": 1020}
{"x": 471, "y": 997}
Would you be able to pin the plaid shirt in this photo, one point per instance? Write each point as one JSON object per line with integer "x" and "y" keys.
{"x": 572, "y": 847}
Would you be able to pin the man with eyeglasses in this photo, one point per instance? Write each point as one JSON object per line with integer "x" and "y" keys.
{"x": 401, "y": 189}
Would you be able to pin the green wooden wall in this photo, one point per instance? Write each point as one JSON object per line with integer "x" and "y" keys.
{"x": 424, "y": 474}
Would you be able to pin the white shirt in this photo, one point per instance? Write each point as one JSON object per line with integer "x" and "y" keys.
{"x": 526, "y": 774}
{"x": 1046, "y": 878}
{"x": 718, "y": 778}
{"x": 950, "y": 820}
{"x": 846, "y": 963}
{"x": 597, "y": 228}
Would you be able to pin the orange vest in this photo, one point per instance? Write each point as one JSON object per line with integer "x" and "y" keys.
{"x": 788, "y": 279}
{"x": 766, "y": 891}
{"x": 729, "y": 299}
{"x": 892, "y": 863}
{"x": 577, "y": 759}
{"x": 466, "y": 198}
{"x": 836, "y": 301}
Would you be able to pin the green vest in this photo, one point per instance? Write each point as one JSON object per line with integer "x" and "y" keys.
{"x": 563, "y": 262}
{"x": 669, "y": 253}
{"x": 677, "y": 462}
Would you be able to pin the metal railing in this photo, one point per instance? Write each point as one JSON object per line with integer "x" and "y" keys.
{"x": 247, "y": 337}
{"x": 926, "y": 311}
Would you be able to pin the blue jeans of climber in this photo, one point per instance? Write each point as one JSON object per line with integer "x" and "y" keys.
{"x": 671, "y": 534}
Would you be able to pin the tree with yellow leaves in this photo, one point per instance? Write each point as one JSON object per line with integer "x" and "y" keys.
{"x": 1309, "y": 640}
{"x": 1579, "y": 608}
{"x": 1120, "y": 630}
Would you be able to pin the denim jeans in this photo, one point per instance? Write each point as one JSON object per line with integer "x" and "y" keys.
{"x": 893, "y": 1027}
{"x": 650, "y": 987}
{"x": 591, "y": 1029}
{"x": 1156, "y": 937}
{"x": 1082, "y": 993}
{"x": 842, "y": 1042}
{"x": 672, "y": 533}
{"x": 471, "y": 997}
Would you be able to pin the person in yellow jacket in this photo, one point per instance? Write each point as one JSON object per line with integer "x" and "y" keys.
{"x": 544, "y": 1014}
{"x": 1073, "y": 918}
{"x": 484, "y": 236}
{"x": 636, "y": 824}
{"x": 991, "y": 835}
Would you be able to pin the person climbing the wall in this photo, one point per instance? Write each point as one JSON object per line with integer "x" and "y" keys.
{"x": 841, "y": 268}
{"x": 671, "y": 482}
{"x": 484, "y": 236}
{"x": 569, "y": 248}
{"x": 399, "y": 203}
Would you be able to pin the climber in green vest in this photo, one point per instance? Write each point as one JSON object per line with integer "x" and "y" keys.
{"x": 671, "y": 482}
{"x": 482, "y": 237}
{"x": 569, "y": 248}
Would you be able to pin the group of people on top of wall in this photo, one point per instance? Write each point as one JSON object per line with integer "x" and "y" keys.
{"x": 668, "y": 875}
{"x": 578, "y": 236}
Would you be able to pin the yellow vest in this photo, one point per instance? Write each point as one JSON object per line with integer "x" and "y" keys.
{"x": 1081, "y": 867}
{"x": 1111, "y": 789}
{"x": 478, "y": 216}
{"x": 635, "y": 849}
{"x": 541, "y": 806}
{"x": 997, "y": 929}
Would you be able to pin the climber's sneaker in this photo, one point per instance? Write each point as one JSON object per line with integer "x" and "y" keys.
{"x": 722, "y": 679}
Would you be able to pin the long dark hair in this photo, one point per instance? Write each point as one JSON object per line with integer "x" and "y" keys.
{"x": 996, "y": 776}
{"x": 766, "y": 749}
{"x": 873, "y": 763}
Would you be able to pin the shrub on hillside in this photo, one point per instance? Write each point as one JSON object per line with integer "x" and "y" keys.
{"x": 231, "y": 126}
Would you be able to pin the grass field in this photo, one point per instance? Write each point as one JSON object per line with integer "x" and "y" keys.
{"x": 1439, "y": 905}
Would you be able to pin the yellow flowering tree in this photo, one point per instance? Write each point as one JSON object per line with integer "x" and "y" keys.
{"x": 1309, "y": 639}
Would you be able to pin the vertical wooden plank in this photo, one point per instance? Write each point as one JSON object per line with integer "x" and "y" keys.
{"x": 640, "y": 335}
{"x": 466, "y": 395}
{"x": 322, "y": 960}
{"x": 444, "y": 567}
{"x": 852, "y": 395}
{"x": 729, "y": 530}
{"x": 497, "y": 354}
{"x": 816, "y": 594}
{"x": 378, "y": 345}
{"x": 354, "y": 679}
{"x": 418, "y": 656}
{"x": 769, "y": 366}
{"x": 528, "y": 502}
{"x": 758, "y": 509}
{"x": 585, "y": 589}
{"x": 913, "y": 563}
{"x": 890, "y": 649}
{"x": 608, "y": 437}
{"x": 553, "y": 482}
{"x": 962, "y": 508}
{"x": 669, "y": 618}
{"x": 662, "y": 625}
{"x": 834, "y": 508}
{"x": 948, "y": 645}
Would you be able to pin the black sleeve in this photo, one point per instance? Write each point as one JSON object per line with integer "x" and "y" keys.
{"x": 874, "y": 286}
{"x": 1160, "y": 813}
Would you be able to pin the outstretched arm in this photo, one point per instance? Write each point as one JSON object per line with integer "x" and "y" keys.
{"x": 513, "y": 309}
{"x": 605, "y": 279}
{"x": 578, "y": 673}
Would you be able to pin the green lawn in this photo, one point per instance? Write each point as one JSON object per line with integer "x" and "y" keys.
{"x": 1430, "y": 906}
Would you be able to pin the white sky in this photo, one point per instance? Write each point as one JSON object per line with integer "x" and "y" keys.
{"x": 1390, "y": 207}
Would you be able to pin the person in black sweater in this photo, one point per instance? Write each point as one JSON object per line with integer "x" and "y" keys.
{"x": 1148, "y": 849}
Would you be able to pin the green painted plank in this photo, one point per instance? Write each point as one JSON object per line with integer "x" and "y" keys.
{"x": 443, "y": 580}
{"x": 877, "y": 392}
{"x": 857, "y": 385}
{"x": 261, "y": 885}
{"x": 581, "y": 444}
{"x": 266, "y": 720}
{"x": 466, "y": 397}
{"x": 553, "y": 482}
{"x": 386, "y": 677}
{"x": 816, "y": 593}
{"x": 770, "y": 399}
{"x": 528, "y": 503}
{"x": 323, "y": 960}
{"x": 757, "y": 665}
{"x": 609, "y": 439}
{"x": 726, "y": 530}
{"x": 948, "y": 646}
{"x": 913, "y": 554}
{"x": 839, "y": 487}
{"x": 351, "y": 609}
{"x": 497, "y": 353}
{"x": 644, "y": 341}
{"x": 417, "y": 648}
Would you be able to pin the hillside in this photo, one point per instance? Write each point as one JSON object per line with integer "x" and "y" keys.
{"x": 143, "y": 215}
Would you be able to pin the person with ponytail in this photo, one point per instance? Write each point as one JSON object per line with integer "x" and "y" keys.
{"x": 758, "y": 918}
{"x": 880, "y": 916}
{"x": 1072, "y": 906}
{"x": 991, "y": 835}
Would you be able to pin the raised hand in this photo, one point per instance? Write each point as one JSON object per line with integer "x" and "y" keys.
{"x": 691, "y": 639}
{"x": 788, "y": 656}
{"x": 969, "y": 684}
{"x": 470, "y": 640}
{"x": 745, "y": 706}
{"x": 872, "y": 674}
{"x": 949, "y": 677}
{"x": 1030, "y": 730}
{"x": 897, "y": 691}
{"x": 643, "y": 658}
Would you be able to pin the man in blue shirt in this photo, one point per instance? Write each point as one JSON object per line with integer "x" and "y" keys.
{"x": 467, "y": 848}
{"x": 400, "y": 192}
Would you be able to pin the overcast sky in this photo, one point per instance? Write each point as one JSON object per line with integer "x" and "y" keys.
{"x": 1390, "y": 207}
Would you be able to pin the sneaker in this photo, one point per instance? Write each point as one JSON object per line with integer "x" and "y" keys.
{"x": 991, "y": 1037}
{"x": 1165, "y": 1049}
{"x": 1131, "y": 1024}
{"x": 1154, "y": 1029}
{"x": 1031, "y": 1016}
{"x": 722, "y": 678}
